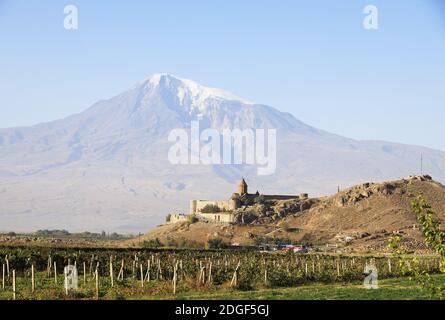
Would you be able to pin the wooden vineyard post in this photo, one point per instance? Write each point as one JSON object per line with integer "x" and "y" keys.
{"x": 201, "y": 277}
{"x": 84, "y": 273}
{"x": 174, "y": 278}
{"x": 234, "y": 281}
{"x": 389, "y": 266}
{"x": 3, "y": 276}
{"x": 48, "y": 268}
{"x": 159, "y": 274}
{"x": 97, "y": 265}
{"x": 147, "y": 273}
{"x": 338, "y": 268}
{"x": 210, "y": 280}
{"x": 33, "y": 280}
{"x": 55, "y": 272}
{"x": 111, "y": 272}
{"x": 147, "y": 276}
{"x": 65, "y": 276}
{"x": 7, "y": 266}
{"x": 91, "y": 265}
{"x": 120, "y": 275}
{"x": 265, "y": 276}
{"x": 13, "y": 285}
{"x": 142, "y": 275}
{"x": 202, "y": 273}
{"x": 96, "y": 275}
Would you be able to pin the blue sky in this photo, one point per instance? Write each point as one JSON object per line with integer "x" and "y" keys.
{"x": 310, "y": 58}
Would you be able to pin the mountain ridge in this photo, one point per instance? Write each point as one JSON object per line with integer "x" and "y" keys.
{"x": 69, "y": 172}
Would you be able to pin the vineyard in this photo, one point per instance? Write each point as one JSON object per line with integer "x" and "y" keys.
{"x": 38, "y": 273}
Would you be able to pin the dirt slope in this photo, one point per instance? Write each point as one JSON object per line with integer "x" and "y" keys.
{"x": 361, "y": 218}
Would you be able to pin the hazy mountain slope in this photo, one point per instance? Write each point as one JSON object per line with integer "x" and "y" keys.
{"x": 107, "y": 167}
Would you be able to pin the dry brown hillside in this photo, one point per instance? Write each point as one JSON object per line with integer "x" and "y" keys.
{"x": 361, "y": 218}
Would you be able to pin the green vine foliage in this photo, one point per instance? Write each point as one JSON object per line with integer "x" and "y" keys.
{"x": 430, "y": 225}
{"x": 434, "y": 239}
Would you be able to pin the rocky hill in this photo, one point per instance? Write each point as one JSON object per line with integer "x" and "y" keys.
{"x": 361, "y": 218}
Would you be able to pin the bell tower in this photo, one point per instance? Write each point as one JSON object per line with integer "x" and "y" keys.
{"x": 242, "y": 187}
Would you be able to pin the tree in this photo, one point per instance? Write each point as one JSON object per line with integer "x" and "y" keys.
{"x": 434, "y": 239}
{"x": 430, "y": 225}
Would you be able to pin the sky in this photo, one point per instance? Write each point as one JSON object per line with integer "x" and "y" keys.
{"x": 312, "y": 58}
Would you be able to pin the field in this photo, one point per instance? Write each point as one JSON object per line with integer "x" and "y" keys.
{"x": 389, "y": 289}
{"x": 38, "y": 273}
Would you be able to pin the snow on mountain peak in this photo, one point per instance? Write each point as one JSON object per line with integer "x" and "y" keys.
{"x": 190, "y": 90}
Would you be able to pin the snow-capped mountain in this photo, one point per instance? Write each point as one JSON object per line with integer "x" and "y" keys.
{"x": 107, "y": 167}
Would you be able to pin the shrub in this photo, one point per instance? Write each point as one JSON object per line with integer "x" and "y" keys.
{"x": 152, "y": 244}
{"x": 190, "y": 244}
{"x": 259, "y": 200}
{"x": 246, "y": 200}
{"x": 172, "y": 243}
{"x": 217, "y": 243}
{"x": 285, "y": 226}
{"x": 211, "y": 208}
{"x": 191, "y": 219}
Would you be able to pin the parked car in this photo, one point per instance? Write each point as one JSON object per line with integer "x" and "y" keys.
{"x": 267, "y": 247}
{"x": 300, "y": 249}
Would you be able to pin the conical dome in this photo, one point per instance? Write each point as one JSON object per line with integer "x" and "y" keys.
{"x": 242, "y": 187}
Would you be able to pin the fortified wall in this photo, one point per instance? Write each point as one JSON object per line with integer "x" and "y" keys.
{"x": 235, "y": 202}
{"x": 176, "y": 217}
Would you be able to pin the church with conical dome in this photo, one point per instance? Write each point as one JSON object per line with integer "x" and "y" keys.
{"x": 222, "y": 210}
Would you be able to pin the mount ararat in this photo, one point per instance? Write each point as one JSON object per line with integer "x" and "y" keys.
{"x": 107, "y": 168}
